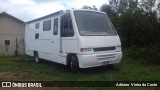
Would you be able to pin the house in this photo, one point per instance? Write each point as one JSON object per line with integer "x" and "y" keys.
{"x": 11, "y": 35}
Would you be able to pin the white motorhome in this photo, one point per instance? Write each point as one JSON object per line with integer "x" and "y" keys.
{"x": 76, "y": 38}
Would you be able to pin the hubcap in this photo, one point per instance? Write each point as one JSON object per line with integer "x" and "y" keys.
{"x": 36, "y": 59}
{"x": 72, "y": 61}
{"x": 71, "y": 64}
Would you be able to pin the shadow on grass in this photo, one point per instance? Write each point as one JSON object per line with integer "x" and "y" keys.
{"x": 99, "y": 69}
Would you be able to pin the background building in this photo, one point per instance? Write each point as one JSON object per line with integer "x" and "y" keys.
{"x": 11, "y": 35}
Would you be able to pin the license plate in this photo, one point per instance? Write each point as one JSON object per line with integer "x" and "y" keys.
{"x": 105, "y": 62}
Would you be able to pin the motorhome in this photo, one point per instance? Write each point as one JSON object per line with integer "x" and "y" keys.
{"x": 75, "y": 38}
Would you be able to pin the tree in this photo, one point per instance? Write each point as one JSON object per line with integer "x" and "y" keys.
{"x": 158, "y": 8}
{"x": 148, "y": 5}
{"x": 89, "y": 7}
{"x": 136, "y": 21}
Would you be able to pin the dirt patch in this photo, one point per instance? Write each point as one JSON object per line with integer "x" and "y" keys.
{"x": 15, "y": 76}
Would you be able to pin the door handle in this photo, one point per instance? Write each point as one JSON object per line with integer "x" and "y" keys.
{"x": 52, "y": 41}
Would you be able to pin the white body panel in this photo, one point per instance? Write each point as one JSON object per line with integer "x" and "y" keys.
{"x": 56, "y": 48}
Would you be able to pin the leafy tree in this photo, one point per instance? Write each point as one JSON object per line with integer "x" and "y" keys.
{"x": 136, "y": 21}
{"x": 148, "y": 5}
{"x": 89, "y": 7}
{"x": 158, "y": 8}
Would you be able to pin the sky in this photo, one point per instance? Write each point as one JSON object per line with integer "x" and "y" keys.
{"x": 27, "y": 10}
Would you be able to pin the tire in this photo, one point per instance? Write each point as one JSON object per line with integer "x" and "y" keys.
{"x": 74, "y": 65}
{"x": 36, "y": 58}
{"x": 68, "y": 66}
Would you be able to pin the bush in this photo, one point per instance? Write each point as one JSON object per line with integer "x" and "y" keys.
{"x": 145, "y": 55}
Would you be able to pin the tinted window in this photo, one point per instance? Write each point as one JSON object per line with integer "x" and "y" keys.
{"x": 47, "y": 25}
{"x": 37, "y": 26}
{"x": 66, "y": 26}
{"x": 55, "y": 29}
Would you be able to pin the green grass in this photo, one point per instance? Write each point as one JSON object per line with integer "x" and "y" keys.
{"x": 128, "y": 70}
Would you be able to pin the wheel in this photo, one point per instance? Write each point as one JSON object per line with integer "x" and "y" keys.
{"x": 36, "y": 57}
{"x": 74, "y": 65}
{"x": 68, "y": 66}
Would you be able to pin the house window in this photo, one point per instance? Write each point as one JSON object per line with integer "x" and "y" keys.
{"x": 7, "y": 42}
{"x": 55, "y": 31}
{"x": 37, "y": 26}
{"x": 47, "y": 25}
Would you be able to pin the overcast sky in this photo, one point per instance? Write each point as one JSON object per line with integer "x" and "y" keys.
{"x": 30, "y": 9}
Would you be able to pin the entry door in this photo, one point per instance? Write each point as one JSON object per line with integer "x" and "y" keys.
{"x": 67, "y": 34}
{"x": 56, "y": 39}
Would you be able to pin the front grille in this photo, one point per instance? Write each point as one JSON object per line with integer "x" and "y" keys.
{"x": 104, "y": 48}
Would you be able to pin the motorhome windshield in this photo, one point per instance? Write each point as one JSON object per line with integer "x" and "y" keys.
{"x": 93, "y": 24}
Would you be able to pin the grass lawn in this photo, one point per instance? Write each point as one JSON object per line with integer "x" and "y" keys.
{"x": 24, "y": 68}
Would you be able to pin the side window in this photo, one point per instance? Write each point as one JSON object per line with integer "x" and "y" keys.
{"x": 55, "y": 28}
{"x": 37, "y": 26}
{"x": 47, "y": 25}
{"x": 66, "y": 26}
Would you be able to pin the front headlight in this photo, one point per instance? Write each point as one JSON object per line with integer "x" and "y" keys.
{"x": 85, "y": 49}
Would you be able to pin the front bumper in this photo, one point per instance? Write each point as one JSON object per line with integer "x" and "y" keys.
{"x": 93, "y": 60}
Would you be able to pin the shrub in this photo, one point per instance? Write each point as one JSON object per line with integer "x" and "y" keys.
{"x": 145, "y": 55}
